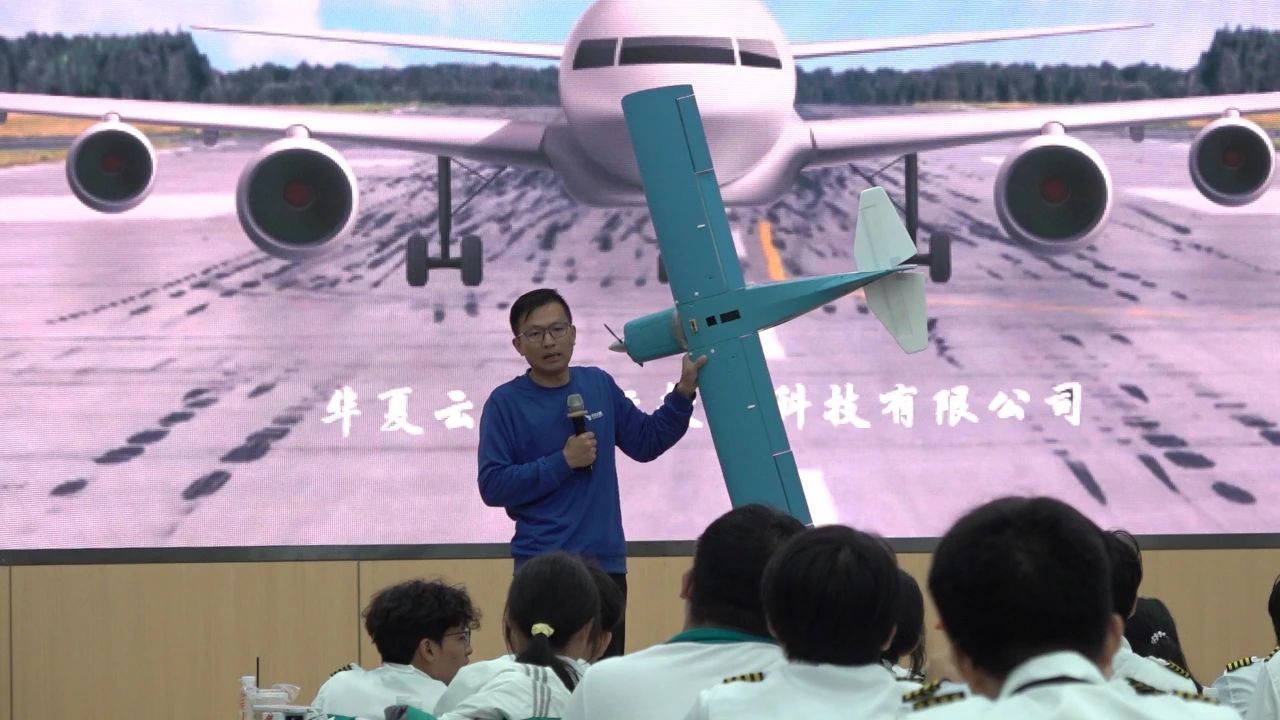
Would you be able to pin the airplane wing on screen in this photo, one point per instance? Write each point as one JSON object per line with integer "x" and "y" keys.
{"x": 840, "y": 140}
{"x": 495, "y": 140}
{"x": 827, "y": 48}
{"x": 547, "y": 51}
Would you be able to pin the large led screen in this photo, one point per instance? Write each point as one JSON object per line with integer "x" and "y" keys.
{"x": 169, "y": 384}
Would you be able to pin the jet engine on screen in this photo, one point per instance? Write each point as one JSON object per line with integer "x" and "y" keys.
{"x": 1232, "y": 161}
{"x": 1053, "y": 193}
{"x": 296, "y": 196}
{"x": 111, "y": 167}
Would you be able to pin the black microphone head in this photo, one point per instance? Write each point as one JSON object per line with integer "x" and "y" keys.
{"x": 576, "y": 406}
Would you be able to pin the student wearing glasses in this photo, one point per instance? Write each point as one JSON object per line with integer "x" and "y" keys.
{"x": 562, "y": 489}
{"x": 423, "y": 632}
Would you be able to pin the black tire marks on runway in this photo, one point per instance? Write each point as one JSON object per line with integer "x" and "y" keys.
{"x": 256, "y": 445}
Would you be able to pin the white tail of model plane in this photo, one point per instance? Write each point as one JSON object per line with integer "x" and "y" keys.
{"x": 881, "y": 242}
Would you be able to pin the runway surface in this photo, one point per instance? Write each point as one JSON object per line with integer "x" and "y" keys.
{"x": 166, "y": 384}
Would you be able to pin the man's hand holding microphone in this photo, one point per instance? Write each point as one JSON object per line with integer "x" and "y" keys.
{"x": 580, "y": 448}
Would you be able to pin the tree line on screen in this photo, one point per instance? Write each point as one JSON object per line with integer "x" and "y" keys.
{"x": 168, "y": 66}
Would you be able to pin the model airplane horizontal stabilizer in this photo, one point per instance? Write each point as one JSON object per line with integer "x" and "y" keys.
{"x": 880, "y": 242}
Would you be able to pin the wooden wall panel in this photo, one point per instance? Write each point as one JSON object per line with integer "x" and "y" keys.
{"x": 1219, "y": 600}
{"x": 6, "y": 693}
{"x": 145, "y": 640}
{"x": 655, "y": 611}
{"x": 158, "y": 641}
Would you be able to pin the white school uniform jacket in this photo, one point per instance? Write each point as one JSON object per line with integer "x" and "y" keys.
{"x": 1265, "y": 704}
{"x": 1067, "y": 686}
{"x": 361, "y": 693}
{"x": 1236, "y": 686}
{"x": 801, "y": 690}
{"x": 661, "y": 682}
{"x": 1129, "y": 665}
{"x": 503, "y": 689}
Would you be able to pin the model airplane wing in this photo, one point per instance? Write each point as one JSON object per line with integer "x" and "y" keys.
{"x": 548, "y": 51}
{"x": 870, "y": 45}
{"x": 501, "y": 141}
{"x": 746, "y": 427}
{"x": 837, "y": 141}
{"x": 684, "y": 198}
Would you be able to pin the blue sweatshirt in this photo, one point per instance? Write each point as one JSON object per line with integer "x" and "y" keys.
{"x": 523, "y": 429}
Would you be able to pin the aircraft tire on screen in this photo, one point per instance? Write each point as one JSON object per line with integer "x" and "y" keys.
{"x": 415, "y": 260}
{"x": 472, "y": 261}
{"x": 662, "y": 271}
{"x": 940, "y": 257}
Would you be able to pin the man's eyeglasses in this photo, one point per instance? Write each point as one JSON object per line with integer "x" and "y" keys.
{"x": 556, "y": 331}
{"x": 464, "y": 634}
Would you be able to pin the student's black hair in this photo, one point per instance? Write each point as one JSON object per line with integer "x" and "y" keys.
{"x": 1126, "y": 569}
{"x": 399, "y": 617}
{"x": 728, "y": 564}
{"x": 1273, "y": 609}
{"x": 1020, "y": 577}
{"x": 557, "y": 590}
{"x": 613, "y": 605}
{"x": 533, "y": 300}
{"x": 831, "y": 596}
{"x": 1151, "y": 632}
{"x": 908, "y": 638}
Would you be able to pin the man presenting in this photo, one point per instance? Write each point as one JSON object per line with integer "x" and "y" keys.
{"x": 561, "y": 488}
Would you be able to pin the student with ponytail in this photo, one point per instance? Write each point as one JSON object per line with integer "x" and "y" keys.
{"x": 549, "y": 625}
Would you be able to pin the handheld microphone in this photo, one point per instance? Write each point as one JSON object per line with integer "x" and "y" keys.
{"x": 578, "y": 416}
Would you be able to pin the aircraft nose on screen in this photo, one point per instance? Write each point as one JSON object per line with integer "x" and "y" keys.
{"x": 732, "y": 52}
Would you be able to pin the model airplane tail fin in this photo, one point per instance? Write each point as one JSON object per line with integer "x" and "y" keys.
{"x": 881, "y": 242}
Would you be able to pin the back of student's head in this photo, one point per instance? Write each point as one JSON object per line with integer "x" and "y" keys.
{"x": 1126, "y": 570}
{"x": 908, "y": 636}
{"x": 401, "y": 616}
{"x": 728, "y": 564}
{"x": 552, "y": 597}
{"x": 1273, "y": 609}
{"x": 613, "y": 607}
{"x": 1151, "y": 632}
{"x": 1021, "y": 577}
{"x": 831, "y": 596}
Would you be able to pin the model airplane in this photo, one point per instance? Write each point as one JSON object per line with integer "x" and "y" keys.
{"x": 716, "y": 314}
{"x": 299, "y": 195}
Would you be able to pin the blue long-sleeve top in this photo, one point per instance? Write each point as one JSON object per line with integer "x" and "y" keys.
{"x": 523, "y": 429}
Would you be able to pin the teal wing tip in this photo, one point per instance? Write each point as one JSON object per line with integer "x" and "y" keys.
{"x": 674, "y": 91}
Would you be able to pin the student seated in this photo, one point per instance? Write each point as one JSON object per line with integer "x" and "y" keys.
{"x": 613, "y": 610}
{"x": 724, "y": 628}
{"x": 1023, "y": 587}
{"x": 908, "y": 635}
{"x": 1153, "y": 634}
{"x": 1126, "y": 576}
{"x": 1264, "y": 704}
{"x": 830, "y": 598}
{"x": 423, "y": 632}
{"x": 550, "y": 630}
{"x": 1239, "y": 681}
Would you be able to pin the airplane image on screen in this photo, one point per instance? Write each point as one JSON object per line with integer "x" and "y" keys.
{"x": 718, "y": 315}
{"x": 298, "y": 195}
